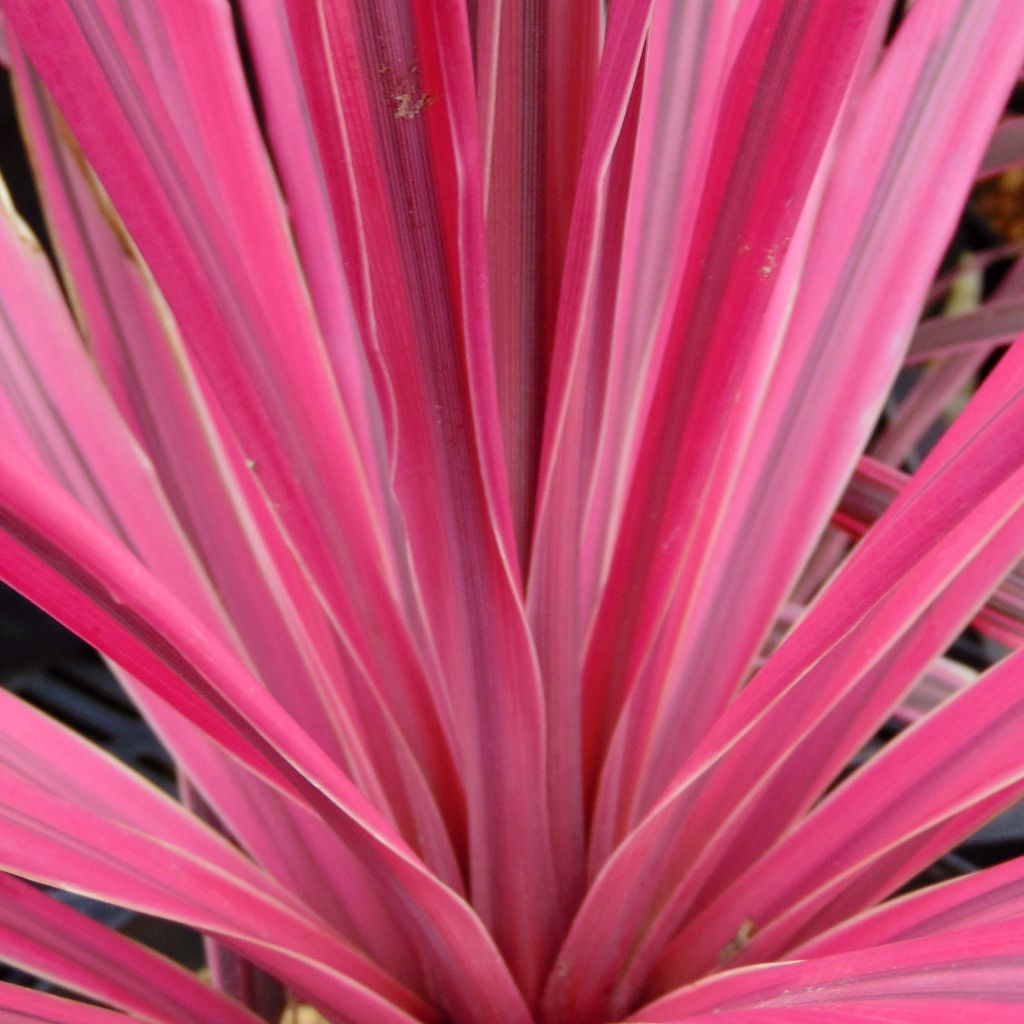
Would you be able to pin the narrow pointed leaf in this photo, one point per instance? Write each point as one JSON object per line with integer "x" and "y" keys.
{"x": 985, "y": 897}
{"x": 383, "y": 96}
{"x": 40, "y": 935}
{"x": 20, "y": 1005}
{"x": 996, "y": 322}
{"x": 978, "y": 962}
{"x": 161, "y": 644}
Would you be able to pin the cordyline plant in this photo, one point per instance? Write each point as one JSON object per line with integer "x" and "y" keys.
{"x": 437, "y": 417}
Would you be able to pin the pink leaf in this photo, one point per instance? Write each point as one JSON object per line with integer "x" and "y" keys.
{"x": 996, "y": 322}
{"x": 388, "y": 88}
{"x": 162, "y": 645}
{"x": 536, "y": 66}
{"x": 908, "y": 790}
{"x": 985, "y": 897}
{"x": 40, "y": 935}
{"x": 118, "y": 863}
{"x": 227, "y": 300}
{"x": 696, "y": 434}
{"x": 977, "y": 962}
{"x": 276, "y": 620}
{"x": 807, "y": 414}
{"x": 557, "y": 613}
{"x": 789, "y": 707}
{"x": 24, "y": 1006}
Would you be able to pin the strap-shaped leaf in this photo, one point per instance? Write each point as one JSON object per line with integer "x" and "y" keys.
{"x": 926, "y": 541}
{"x": 25, "y": 1006}
{"x": 242, "y": 313}
{"x": 163, "y": 646}
{"x": 929, "y": 971}
{"x": 393, "y": 107}
{"x": 42, "y": 936}
{"x": 212, "y": 530}
{"x": 724, "y": 334}
{"x": 984, "y": 897}
{"x": 804, "y": 438}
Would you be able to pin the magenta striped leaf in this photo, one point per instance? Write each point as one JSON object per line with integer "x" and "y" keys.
{"x": 985, "y": 897}
{"x": 23, "y": 1006}
{"x": 994, "y": 323}
{"x": 927, "y": 970}
{"x": 429, "y": 325}
{"x": 767, "y": 496}
{"x": 823, "y": 690}
{"x": 42, "y": 936}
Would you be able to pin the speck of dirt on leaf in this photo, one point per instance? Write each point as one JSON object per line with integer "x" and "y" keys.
{"x": 770, "y": 259}
{"x": 410, "y": 105}
{"x": 738, "y": 943}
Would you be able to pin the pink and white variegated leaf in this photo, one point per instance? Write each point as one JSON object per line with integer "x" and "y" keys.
{"x": 162, "y": 645}
{"x": 390, "y": 90}
{"x": 683, "y": 76}
{"x": 617, "y": 279}
{"x": 224, "y": 299}
{"x": 19, "y": 1005}
{"x": 457, "y": 424}
{"x": 129, "y": 625}
{"x": 53, "y": 757}
{"x": 989, "y": 896}
{"x": 303, "y": 177}
{"x": 48, "y": 755}
{"x": 906, "y": 791}
{"x": 980, "y": 961}
{"x": 553, "y": 602}
{"x": 42, "y": 936}
{"x": 826, "y": 386}
{"x": 694, "y": 832}
{"x": 261, "y": 590}
{"x": 690, "y": 442}
{"x": 119, "y": 863}
{"x": 181, "y": 450}
{"x": 42, "y": 759}
{"x": 535, "y": 93}
{"x": 871, "y": 490}
{"x": 323, "y": 872}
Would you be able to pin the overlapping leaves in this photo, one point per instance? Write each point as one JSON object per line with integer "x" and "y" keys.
{"x": 441, "y": 442}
